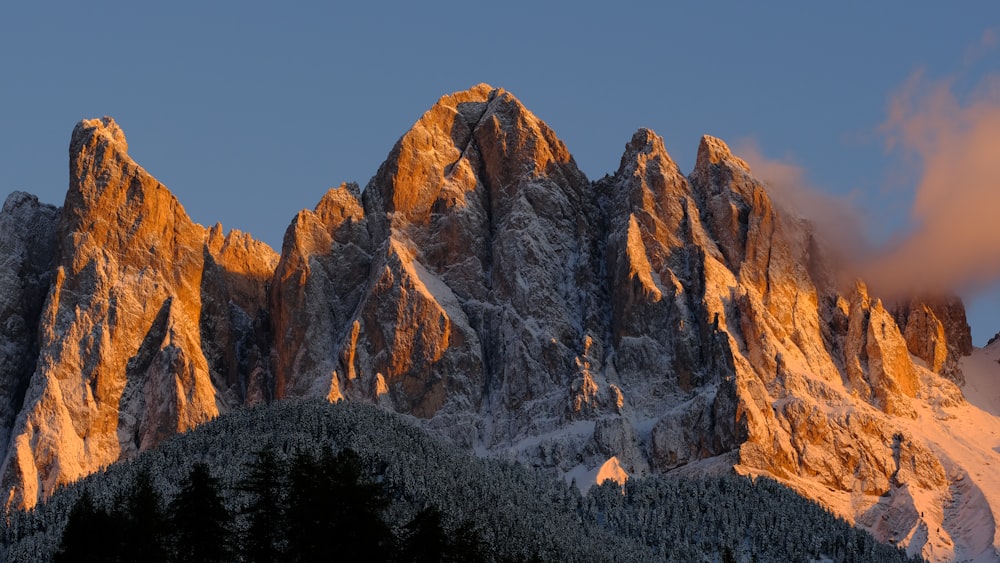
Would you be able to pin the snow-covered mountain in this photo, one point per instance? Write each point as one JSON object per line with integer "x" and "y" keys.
{"x": 646, "y": 322}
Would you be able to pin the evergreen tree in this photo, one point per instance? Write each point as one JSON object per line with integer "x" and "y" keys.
{"x": 356, "y": 508}
{"x": 424, "y": 539}
{"x": 333, "y": 513}
{"x": 91, "y": 534}
{"x": 199, "y": 519}
{"x": 304, "y": 530}
{"x": 144, "y": 537}
{"x": 466, "y": 545}
{"x": 264, "y": 531}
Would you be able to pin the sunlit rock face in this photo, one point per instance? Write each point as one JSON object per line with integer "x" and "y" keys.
{"x": 937, "y": 332}
{"x": 466, "y": 283}
{"x": 644, "y": 322}
{"x": 482, "y": 284}
{"x": 151, "y": 324}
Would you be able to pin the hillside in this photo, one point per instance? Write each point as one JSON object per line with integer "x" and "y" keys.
{"x": 519, "y": 514}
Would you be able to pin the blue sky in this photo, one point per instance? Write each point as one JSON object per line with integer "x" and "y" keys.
{"x": 248, "y": 112}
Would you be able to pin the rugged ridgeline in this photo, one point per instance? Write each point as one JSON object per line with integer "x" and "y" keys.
{"x": 645, "y": 322}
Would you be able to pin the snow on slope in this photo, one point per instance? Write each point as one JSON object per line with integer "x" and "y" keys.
{"x": 967, "y": 441}
{"x": 953, "y": 522}
{"x": 982, "y": 378}
{"x": 966, "y": 438}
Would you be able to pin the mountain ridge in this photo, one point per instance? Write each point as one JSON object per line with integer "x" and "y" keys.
{"x": 483, "y": 284}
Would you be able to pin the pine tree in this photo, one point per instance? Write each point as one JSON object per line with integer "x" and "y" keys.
{"x": 333, "y": 513}
{"x": 144, "y": 537}
{"x": 199, "y": 519}
{"x": 263, "y": 484}
{"x": 466, "y": 544}
{"x": 91, "y": 534}
{"x": 424, "y": 539}
{"x": 304, "y": 513}
{"x": 357, "y": 507}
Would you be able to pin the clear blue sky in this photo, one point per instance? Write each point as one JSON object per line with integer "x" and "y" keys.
{"x": 249, "y": 111}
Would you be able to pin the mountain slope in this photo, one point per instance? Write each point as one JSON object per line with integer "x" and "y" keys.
{"x": 651, "y": 318}
{"x": 518, "y": 514}
{"x": 647, "y": 322}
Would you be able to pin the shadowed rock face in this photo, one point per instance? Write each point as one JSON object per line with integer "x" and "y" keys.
{"x": 482, "y": 284}
{"x": 27, "y": 251}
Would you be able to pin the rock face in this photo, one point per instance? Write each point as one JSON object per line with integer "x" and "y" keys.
{"x": 151, "y": 323}
{"x": 27, "y": 250}
{"x": 938, "y": 333}
{"x": 649, "y": 321}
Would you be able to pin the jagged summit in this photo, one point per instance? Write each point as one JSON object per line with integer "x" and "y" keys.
{"x": 478, "y": 132}
{"x": 712, "y": 150}
{"x": 649, "y": 321}
{"x": 151, "y": 323}
{"x": 646, "y": 144}
{"x": 89, "y": 131}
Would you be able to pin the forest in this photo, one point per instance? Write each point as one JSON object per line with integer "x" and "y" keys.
{"x": 313, "y": 481}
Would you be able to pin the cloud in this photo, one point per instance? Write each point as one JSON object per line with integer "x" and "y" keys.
{"x": 952, "y": 145}
{"x": 954, "y": 240}
{"x": 988, "y": 41}
{"x": 838, "y": 221}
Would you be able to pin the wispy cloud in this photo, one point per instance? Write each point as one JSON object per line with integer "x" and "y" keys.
{"x": 950, "y": 145}
{"x": 954, "y": 241}
{"x": 988, "y": 42}
{"x": 838, "y": 222}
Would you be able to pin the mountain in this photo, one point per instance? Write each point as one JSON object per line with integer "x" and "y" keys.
{"x": 644, "y": 323}
{"x": 511, "y": 513}
{"x": 151, "y": 324}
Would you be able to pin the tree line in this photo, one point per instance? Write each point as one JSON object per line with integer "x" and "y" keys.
{"x": 311, "y": 481}
{"x": 310, "y": 508}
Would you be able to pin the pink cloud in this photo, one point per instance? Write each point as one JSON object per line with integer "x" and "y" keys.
{"x": 838, "y": 222}
{"x": 988, "y": 41}
{"x": 954, "y": 243}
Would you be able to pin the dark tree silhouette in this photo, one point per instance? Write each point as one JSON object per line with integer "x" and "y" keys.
{"x": 356, "y": 510}
{"x": 333, "y": 513}
{"x": 199, "y": 519}
{"x": 424, "y": 539}
{"x": 304, "y": 521}
{"x": 262, "y": 539}
{"x": 145, "y": 525}
{"x": 91, "y": 534}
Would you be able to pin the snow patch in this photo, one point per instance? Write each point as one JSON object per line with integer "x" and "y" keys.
{"x": 982, "y": 378}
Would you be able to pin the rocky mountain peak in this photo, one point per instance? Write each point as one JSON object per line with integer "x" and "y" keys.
{"x": 97, "y": 131}
{"x": 712, "y": 150}
{"x": 478, "y": 134}
{"x": 644, "y": 146}
{"x": 151, "y": 323}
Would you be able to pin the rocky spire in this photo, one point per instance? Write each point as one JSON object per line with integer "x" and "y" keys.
{"x": 148, "y": 327}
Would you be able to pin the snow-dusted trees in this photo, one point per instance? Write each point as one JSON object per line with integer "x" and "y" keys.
{"x": 434, "y": 497}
